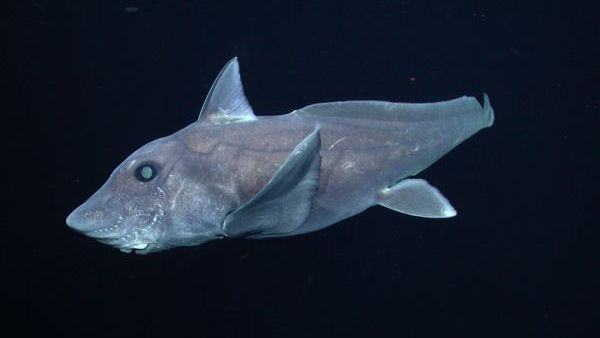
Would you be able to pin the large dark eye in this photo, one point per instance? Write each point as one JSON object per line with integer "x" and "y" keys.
{"x": 146, "y": 172}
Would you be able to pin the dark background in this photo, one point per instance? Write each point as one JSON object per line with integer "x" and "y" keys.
{"x": 86, "y": 83}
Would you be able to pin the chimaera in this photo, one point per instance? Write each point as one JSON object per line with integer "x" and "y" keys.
{"x": 234, "y": 174}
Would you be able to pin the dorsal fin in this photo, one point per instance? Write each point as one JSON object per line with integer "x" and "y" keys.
{"x": 465, "y": 106}
{"x": 226, "y": 102}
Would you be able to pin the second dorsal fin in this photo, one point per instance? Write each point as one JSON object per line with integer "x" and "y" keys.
{"x": 226, "y": 102}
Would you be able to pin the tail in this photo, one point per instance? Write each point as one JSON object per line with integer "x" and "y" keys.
{"x": 488, "y": 111}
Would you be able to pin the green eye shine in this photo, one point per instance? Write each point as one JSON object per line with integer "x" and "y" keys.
{"x": 146, "y": 172}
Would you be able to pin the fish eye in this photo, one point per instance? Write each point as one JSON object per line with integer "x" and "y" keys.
{"x": 146, "y": 172}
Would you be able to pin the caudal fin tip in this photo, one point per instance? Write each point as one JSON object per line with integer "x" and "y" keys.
{"x": 488, "y": 111}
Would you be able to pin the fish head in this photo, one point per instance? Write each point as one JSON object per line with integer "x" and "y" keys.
{"x": 131, "y": 209}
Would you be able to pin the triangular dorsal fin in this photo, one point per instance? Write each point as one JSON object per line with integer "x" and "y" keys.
{"x": 226, "y": 102}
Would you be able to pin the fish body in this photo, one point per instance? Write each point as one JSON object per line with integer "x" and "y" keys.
{"x": 234, "y": 174}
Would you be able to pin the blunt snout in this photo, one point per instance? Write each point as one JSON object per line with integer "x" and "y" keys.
{"x": 84, "y": 220}
{"x": 76, "y": 221}
{"x": 92, "y": 222}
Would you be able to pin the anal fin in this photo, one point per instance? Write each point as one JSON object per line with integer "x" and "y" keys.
{"x": 416, "y": 197}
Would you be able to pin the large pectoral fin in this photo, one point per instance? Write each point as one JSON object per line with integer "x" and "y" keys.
{"x": 285, "y": 202}
{"x": 417, "y": 198}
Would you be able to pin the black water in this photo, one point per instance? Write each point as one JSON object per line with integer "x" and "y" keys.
{"x": 86, "y": 83}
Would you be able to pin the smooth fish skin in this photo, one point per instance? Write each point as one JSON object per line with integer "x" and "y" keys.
{"x": 234, "y": 174}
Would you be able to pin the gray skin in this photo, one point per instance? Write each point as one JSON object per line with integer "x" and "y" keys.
{"x": 232, "y": 174}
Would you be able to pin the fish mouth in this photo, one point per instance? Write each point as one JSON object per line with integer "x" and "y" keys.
{"x": 138, "y": 248}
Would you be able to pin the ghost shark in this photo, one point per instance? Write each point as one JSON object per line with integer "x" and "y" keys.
{"x": 234, "y": 174}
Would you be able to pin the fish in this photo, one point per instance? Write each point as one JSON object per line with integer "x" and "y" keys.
{"x": 233, "y": 174}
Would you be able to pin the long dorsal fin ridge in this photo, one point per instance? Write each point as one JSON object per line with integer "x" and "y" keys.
{"x": 226, "y": 102}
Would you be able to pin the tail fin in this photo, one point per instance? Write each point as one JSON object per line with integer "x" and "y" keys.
{"x": 488, "y": 111}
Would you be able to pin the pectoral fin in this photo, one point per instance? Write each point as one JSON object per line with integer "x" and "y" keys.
{"x": 416, "y": 197}
{"x": 285, "y": 202}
